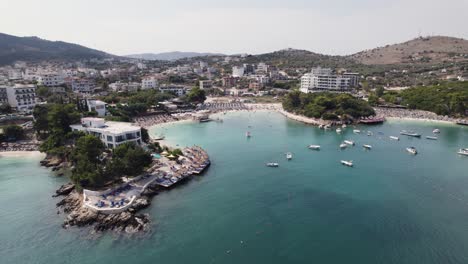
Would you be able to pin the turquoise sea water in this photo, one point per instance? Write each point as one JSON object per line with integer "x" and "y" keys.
{"x": 390, "y": 208}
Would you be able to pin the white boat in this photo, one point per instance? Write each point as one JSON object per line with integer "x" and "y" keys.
{"x": 344, "y": 126}
{"x": 338, "y": 130}
{"x": 409, "y": 133}
{"x": 289, "y": 156}
{"x": 463, "y": 151}
{"x": 327, "y": 127}
{"x": 343, "y": 145}
{"x": 412, "y": 150}
{"x": 436, "y": 131}
{"x": 272, "y": 164}
{"x": 369, "y": 133}
{"x": 356, "y": 131}
{"x": 394, "y": 138}
{"x": 314, "y": 147}
{"x": 431, "y": 138}
{"x": 349, "y": 142}
{"x": 321, "y": 126}
{"x": 247, "y": 134}
{"x": 367, "y": 146}
{"x": 347, "y": 163}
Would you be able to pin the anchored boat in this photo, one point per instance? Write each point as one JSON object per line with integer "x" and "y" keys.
{"x": 367, "y": 146}
{"x": 410, "y": 134}
{"x": 356, "y": 131}
{"x": 347, "y": 163}
{"x": 343, "y": 145}
{"x": 289, "y": 156}
{"x": 431, "y": 138}
{"x": 314, "y": 147}
{"x": 349, "y": 142}
{"x": 272, "y": 164}
{"x": 412, "y": 150}
{"x": 463, "y": 152}
{"x": 394, "y": 138}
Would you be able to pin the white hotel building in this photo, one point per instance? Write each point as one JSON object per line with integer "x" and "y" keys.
{"x": 19, "y": 96}
{"x": 323, "y": 79}
{"x": 111, "y": 134}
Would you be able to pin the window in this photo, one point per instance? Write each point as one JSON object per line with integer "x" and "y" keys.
{"x": 110, "y": 145}
{"x": 138, "y": 134}
{"x": 109, "y": 138}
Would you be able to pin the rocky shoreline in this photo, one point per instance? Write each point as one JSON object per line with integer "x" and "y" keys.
{"x": 77, "y": 215}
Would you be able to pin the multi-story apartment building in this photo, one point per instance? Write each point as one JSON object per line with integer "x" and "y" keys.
{"x": 52, "y": 79}
{"x": 237, "y": 71}
{"x": 121, "y": 86}
{"x": 323, "y": 79}
{"x": 229, "y": 81}
{"x": 206, "y": 84}
{"x": 110, "y": 133}
{"x": 3, "y": 95}
{"x": 177, "y": 89}
{"x": 262, "y": 67}
{"x": 19, "y": 96}
{"x": 82, "y": 85}
{"x": 149, "y": 83}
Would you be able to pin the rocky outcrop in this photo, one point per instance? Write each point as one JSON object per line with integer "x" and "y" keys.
{"x": 128, "y": 221}
{"x": 64, "y": 189}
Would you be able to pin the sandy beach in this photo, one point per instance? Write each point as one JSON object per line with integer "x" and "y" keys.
{"x": 19, "y": 154}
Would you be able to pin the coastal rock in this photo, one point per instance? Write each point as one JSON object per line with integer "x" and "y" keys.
{"x": 64, "y": 189}
{"x": 79, "y": 216}
{"x": 141, "y": 203}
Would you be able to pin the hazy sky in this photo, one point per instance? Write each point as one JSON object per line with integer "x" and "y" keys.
{"x": 236, "y": 26}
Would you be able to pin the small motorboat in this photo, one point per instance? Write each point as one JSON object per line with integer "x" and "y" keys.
{"x": 326, "y": 127}
{"x": 412, "y": 150}
{"x": 436, "y": 131}
{"x": 343, "y": 145}
{"x": 369, "y": 133}
{"x": 314, "y": 147}
{"x": 289, "y": 156}
{"x": 343, "y": 126}
{"x": 463, "y": 152}
{"x": 247, "y": 134}
{"x": 321, "y": 126}
{"x": 356, "y": 131}
{"x": 347, "y": 163}
{"x": 349, "y": 142}
{"x": 338, "y": 130}
{"x": 367, "y": 146}
{"x": 410, "y": 134}
{"x": 431, "y": 138}
{"x": 272, "y": 164}
{"x": 394, "y": 138}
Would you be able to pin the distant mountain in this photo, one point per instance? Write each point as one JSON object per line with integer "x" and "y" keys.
{"x": 422, "y": 50}
{"x": 171, "y": 56}
{"x": 13, "y": 48}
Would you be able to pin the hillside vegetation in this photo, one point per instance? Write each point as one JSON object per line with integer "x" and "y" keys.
{"x": 428, "y": 50}
{"x": 444, "y": 99}
{"x": 14, "y": 48}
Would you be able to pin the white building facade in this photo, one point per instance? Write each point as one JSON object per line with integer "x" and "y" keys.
{"x": 178, "y": 90}
{"x": 323, "y": 79}
{"x": 149, "y": 83}
{"x": 237, "y": 71}
{"x": 19, "y": 96}
{"x": 112, "y": 134}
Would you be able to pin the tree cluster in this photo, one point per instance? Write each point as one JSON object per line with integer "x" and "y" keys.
{"x": 328, "y": 106}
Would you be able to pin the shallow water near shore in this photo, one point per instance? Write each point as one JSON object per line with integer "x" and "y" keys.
{"x": 390, "y": 208}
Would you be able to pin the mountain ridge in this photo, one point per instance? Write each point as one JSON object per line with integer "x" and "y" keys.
{"x": 13, "y": 48}
{"x": 171, "y": 56}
